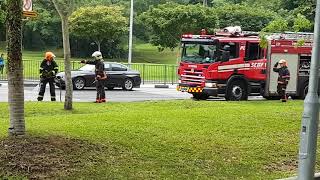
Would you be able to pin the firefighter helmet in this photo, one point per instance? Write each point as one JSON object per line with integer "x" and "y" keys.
{"x": 226, "y": 47}
{"x": 49, "y": 56}
{"x": 97, "y": 55}
{"x": 282, "y": 61}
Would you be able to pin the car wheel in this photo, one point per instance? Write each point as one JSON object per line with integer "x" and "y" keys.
{"x": 79, "y": 83}
{"x": 127, "y": 85}
{"x": 236, "y": 91}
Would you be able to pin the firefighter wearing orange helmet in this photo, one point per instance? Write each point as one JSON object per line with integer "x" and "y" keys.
{"x": 283, "y": 78}
{"x": 48, "y": 71}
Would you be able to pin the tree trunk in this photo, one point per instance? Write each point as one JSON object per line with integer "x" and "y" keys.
{"x": 67, "y": 64}
{"x": 99, "y": 45}
{"x": 15, "y": 68}
{"x": 205, "y": 3}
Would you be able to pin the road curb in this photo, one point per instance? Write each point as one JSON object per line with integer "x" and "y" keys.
{"x": 161, "y": 86}
{"x": 316, "y": 177}
{"x": 25, "y": 84}
{"x": 36, "y": 83}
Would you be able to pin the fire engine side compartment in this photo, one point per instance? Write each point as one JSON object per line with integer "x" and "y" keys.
{"x": 293, "y": 62}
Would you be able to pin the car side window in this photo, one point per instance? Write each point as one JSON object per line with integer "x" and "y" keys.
{"x": 254, "y": 51}
{"x": 107, "y": 67}
{"x": 233, "y": 49}
{"x": 118, "y": 67}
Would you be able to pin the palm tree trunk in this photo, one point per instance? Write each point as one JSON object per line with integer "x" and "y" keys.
{"x": 15, "y": 68}
{"x": 67, "y": 64}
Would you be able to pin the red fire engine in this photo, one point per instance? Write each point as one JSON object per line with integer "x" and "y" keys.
{"x": 233, "y": 65}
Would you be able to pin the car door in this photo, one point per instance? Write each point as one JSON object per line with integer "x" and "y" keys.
{"x": 107, "y": 69}
{"x": 118, "y": 73}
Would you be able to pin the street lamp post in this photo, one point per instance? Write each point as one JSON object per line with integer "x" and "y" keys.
{"x": 310, "y": 118}
{"x": 130, "y": 34}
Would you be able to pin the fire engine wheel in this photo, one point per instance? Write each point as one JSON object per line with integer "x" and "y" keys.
{"x": 236, "y": 91}
{"x": 200, "y": 96}
{"x": 305, "y": 91}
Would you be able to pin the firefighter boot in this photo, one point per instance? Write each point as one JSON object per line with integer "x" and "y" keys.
{"x": 40, "y": 98}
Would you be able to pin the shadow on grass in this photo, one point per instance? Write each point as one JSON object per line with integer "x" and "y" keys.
{"x": 47, "y": 157}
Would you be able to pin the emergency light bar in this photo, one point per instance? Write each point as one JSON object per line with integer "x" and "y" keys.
{"x": 286, "y": 35}
{"x": 191, "y": 36}
{"x": 292, "y": 35}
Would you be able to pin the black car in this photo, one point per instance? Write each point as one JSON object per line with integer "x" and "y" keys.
{"x": 118, "y": 75}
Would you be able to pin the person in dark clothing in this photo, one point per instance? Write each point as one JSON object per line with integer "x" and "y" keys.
{"x": 283, "y": 78}
{"x": 225, "y": 53}
{"x": 100, "y": 75}
{"x": 48, "y": 71}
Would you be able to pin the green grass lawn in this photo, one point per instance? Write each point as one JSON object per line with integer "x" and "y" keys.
{"x": 182, "y": 139}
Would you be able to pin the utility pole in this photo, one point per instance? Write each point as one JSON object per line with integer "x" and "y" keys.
{"x": 310, "y": 118}
{"x": 130, "y": 34}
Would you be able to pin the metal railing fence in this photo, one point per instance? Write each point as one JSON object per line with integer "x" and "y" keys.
{"x": 150, "y": 73}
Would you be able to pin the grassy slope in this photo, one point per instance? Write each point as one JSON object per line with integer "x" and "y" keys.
{"x": 142, "y": 53}
{"x": 177, "y": 139}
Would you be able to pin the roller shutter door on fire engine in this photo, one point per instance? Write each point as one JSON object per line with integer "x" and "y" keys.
{"x": 293, "y": 61}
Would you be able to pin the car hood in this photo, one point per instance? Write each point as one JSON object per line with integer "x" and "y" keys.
{"x": 133, "y": 72}
{"x": 76, "y": 73}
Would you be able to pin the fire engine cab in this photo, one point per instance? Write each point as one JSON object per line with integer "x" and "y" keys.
{"x": 233, "y": 65}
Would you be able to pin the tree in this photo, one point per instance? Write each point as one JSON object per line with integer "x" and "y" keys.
{"x": 65, "y": 9}
{"x": 292, "y": 23}
{"x": 98, "y": 23}
{"x": 277, "y": 25}
{"x": 249, "y": 18}
{"x": 15, "y": 68}
{"x": 169, "y": 21}
{"x": 301, "y": 23}
{"x": 45, "y": 30}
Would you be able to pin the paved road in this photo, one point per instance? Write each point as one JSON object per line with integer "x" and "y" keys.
{"x": 145, "y": 93}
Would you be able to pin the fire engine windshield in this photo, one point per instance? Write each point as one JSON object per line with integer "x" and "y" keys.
{"x": 199, "y": 53}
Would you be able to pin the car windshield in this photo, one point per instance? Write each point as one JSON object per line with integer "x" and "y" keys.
{"x": 199, "y": 53}
{"x": 87, "y": 67}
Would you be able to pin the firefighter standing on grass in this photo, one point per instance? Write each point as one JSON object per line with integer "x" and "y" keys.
{"x": 100, "y": 75}
{"x": 48, "y": 71}
{"x": 283, "y": 78}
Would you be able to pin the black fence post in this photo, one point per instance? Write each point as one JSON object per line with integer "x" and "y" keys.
{"x": 165, "y": 74}
{"x": 143, "y": 72}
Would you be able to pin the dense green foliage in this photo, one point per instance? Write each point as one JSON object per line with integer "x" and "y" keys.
{"x": 102, "y": 25}
{"x": 45, "y": 30}
{"x": 248, "y": 17}
{"x": 170, "y": 20}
